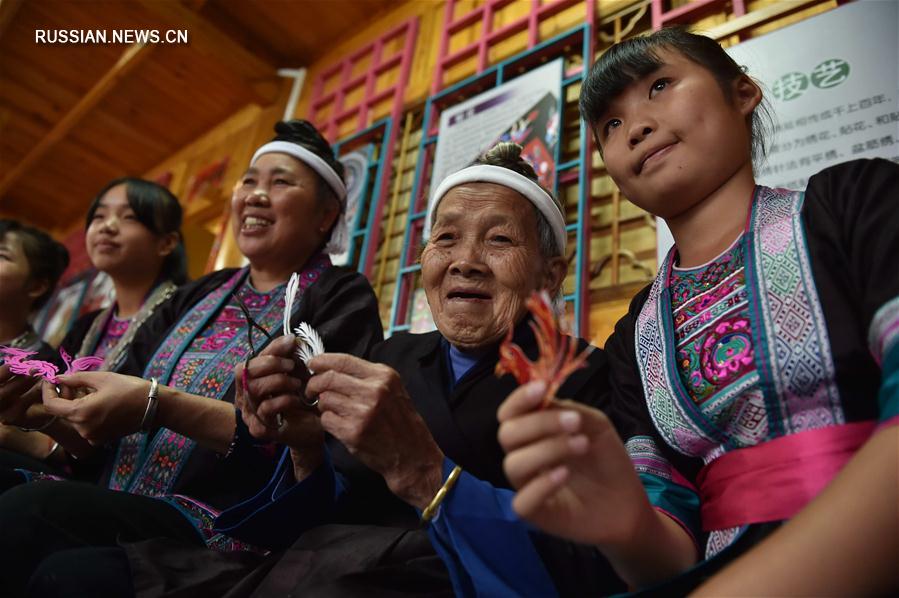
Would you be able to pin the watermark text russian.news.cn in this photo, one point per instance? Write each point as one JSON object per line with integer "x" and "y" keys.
{"x": 111, "y": 36}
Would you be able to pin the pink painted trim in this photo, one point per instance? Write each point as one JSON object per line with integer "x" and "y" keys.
{"x": 362, "y": 110}
{"x": 486, "y": 26}
{"x": 466, "y": 20}
{"x": 774, "y": 480}
{"x": 488, "y": 36}
{"x": 504, "y": 32}
{"x": 534, "y": 23}
{"x": 346, "y": 82}
{"x": 410, "y": 31}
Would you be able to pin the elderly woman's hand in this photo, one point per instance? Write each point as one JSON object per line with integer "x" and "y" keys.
{"x": 365, "y": 406}
{"x": 18, "y": 395}
{"x": 573, "y": 475}
{"x": 270, "y": 386}
{"x": 110, "y": 405}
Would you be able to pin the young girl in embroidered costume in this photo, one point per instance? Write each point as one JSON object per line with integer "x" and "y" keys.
{"x": 132, "y": 234}
{"x": 180, "y": 451}
{"x": 31, "y": 263}
{"x": 759, "y": 371}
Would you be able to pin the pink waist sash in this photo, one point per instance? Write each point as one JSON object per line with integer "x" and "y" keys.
{"x": 774, "y": 480}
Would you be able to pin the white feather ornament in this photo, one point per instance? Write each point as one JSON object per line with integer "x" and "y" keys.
{"x": 293, "y": 285}
{"x": 309, "y": 343}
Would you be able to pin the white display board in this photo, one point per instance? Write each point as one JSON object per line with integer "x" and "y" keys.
{"x": 355, "y": 172}
{"x": 833, "y": 83}
{"x": 524, "y": 110}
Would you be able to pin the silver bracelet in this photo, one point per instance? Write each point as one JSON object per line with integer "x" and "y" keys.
{"x": 53, "y": 449}
{"x": 152, "y": 403}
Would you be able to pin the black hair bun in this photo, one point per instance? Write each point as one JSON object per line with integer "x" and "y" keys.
{"x": 303, "y": 133}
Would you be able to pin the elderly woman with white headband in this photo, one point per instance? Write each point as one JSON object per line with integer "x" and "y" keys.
{"x": 181, "y": 451}
{"x": 412, "y": 432}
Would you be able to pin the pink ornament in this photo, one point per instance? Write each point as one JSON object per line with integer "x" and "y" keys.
{"x": 18, "y": 362}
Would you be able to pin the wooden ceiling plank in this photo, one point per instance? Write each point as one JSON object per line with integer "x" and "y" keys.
{"x": 186, "y": 89}
{"x": 59, "y": 167}
{"x": 35, "y": 113}
{"x": 8, "y": 10}
{"x": 208, "y": 39}
{"x": 45, "y": 73}
{"x": 130, "y": 58}
{"x": 269, "y": 28}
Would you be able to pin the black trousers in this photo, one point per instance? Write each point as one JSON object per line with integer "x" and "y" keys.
{"x": 10, "y": 478}
{"x": 329, "y": 561}
{"x": 87, "y": 469}
{"x": 13, "y": 460}
{"x": 63, "y": 538}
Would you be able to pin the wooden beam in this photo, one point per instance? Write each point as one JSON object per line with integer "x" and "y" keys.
{"x": 207, "y": 39}
{"x": 8, "y": 10}
{"x": 194, "y": 5}
{"x": 757, "y": 18}
{"x": 130, "y": 58}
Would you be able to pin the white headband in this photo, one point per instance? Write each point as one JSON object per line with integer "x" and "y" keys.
{"x": 485, "y": 173}
{"x": 339, "y": 235}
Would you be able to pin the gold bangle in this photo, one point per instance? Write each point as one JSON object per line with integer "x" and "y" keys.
{"x": 431, "y": 509}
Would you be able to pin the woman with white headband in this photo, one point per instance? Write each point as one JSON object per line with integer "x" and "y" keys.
{"x": 180, "y": 450}
{"x": 392, "y": 502}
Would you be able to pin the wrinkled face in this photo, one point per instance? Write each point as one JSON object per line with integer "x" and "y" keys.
{"x": 672, "y": 138}
{"x": 481, "y": 263}
{"x": 15, "y": 272}
{"x": 276, "y": 216}
{"x": 118, "y": 243}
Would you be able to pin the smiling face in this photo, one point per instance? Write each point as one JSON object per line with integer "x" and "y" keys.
{"x": 119, "y": 244}
{"x": 482, "y": 262}
{"x": 17, "y": 290}
{"x": 672, "y": 138}
{"x": 276, "y": 215}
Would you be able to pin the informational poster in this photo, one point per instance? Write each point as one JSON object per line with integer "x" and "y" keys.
{"x": 356, "y": 176}
{"x": 833, "y": 83}
{"x": 524, "y": 110}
